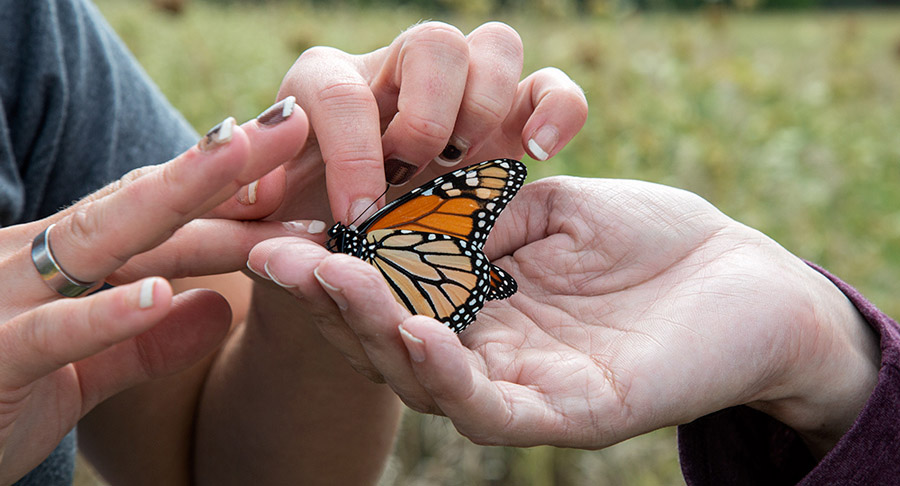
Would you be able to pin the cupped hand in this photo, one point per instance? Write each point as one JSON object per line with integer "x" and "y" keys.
{"x": 433, "y": 95}
{"x": 639, "y": 306}
{"x": 61, "y": 356}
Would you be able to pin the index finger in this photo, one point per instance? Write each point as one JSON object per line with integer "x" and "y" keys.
{"x": 96, "y": 238}
{"x": 345, "y": 120}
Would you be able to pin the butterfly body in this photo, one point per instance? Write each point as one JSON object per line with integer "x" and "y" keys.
{"x": 428, "y": 243}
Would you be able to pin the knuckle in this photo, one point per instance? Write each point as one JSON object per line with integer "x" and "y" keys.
{"x": 440, "y": 38}
{"x": 372, "y": 375}
{"x": 487, "y": 108}
{"x": 345, "y": 93}
{"x": 82, "y": 235}
{"x": 317, "y": 53}
{"x": 502, "y": 35}
{"x": 118, "y": 184}
{"x": 421, "y": 406}
{"x": 83, "y": 223}
{"x": 149, "y": 356}
{"x": 480, "y": 436}
{"x": 168, "y": 176}
{"x": 135, "y": 174}
{"x": 358, "y": 156}
{"x": 364, "y": 367}
{"x": 561, "y": 82}
{"x": 422, "y": 130}
{"x": 435, "y": 29}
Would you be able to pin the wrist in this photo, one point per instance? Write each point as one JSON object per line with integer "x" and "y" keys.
{"x": 832, "y": 370}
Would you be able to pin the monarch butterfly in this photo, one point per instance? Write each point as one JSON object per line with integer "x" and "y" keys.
{"x": 428, "y": 242}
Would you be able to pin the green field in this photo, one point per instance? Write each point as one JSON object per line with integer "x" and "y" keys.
{"x": 788, "y": 122}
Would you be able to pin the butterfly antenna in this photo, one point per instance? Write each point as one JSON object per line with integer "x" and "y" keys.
{"x": 353, "y": 223}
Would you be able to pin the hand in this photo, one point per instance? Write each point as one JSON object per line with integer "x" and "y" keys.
{"x": 431, "y": 89}
{"x": 433, "y": 95}
{"x": 639, "y": 306}
{"x": 61, "y": 357}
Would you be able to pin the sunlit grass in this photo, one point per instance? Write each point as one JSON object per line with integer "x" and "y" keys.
{"x": 787, "y": 122}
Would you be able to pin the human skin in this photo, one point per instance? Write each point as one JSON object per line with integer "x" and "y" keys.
{"x": 62, "y": 357}
{"x": 639, "y": 306}
{"x": 277, "y": 402}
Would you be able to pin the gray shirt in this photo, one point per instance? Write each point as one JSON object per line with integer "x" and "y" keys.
{"x": 77, "y": 113}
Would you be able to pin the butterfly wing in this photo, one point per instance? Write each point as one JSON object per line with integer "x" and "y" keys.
{"x": 433, "y": 274}
{"x": 464, "y": 203}
{"x": 502, "y": 284}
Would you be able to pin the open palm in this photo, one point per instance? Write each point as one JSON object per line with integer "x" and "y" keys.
{"x": 639, "y": 306}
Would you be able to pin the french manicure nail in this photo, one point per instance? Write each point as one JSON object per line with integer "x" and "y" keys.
{"x": 278, "y": 112}
{"x": 247, "y": 194}
{"x": 398, "y": 172}
{"x": 336, "y": 294}
{"x": 313, "y": 227}
{"x": 543, "y": 142}
{"x": 414, "y": 345}
{"x": 275, "y": 279}
{"x": 452, "y": 153}
{"x": 260, "y": 275}
{"x": 217, "y": 136}
{"x": 361, "y": 209}
{"x": 145, "y": 299}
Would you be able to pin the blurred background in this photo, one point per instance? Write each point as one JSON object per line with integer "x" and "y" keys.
{"x": 783, "y": 113}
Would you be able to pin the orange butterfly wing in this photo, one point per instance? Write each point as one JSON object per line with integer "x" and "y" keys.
{"x": 428, "y": 243}
{"x": 464, "y": 203}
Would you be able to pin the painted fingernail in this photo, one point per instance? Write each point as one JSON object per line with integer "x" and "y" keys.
{"x": 313, "y": 227}
{"x": 145, "y": 298}
{"x": 452, "y": 153}
{"x": 398, "y": 172}
{"x": 414, "y": 345}
{"x": 217, "y": 136}
{"x": 259, "y": 274}
{"x": 543, "y": 142}
{"x": 361, "y": 209}
{"x": 336, "y": 294}
{"x": 278, "y": 112}
{"x": 247, "y": 194}
{"x": 273, "y": 278}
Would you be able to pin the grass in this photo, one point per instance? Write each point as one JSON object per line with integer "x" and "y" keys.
{"x": 787, "y": 122}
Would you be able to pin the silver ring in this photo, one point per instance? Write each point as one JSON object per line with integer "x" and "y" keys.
{"x": 50, "y": 271}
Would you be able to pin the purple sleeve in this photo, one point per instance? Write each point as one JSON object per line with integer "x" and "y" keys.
{"x": 742, "y": 446}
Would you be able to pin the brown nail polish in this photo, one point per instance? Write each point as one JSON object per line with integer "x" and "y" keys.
{"x": 278, "y": 112}
{"x": 398, "y": 172}
{"x": 217, "y": 135}
{"x": 452, "y": 154}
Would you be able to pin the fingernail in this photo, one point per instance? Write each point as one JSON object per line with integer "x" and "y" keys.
{"x": 313, "y": 227}
{"x": 361, "y": 209}
{"x": 259, "y": 274}
{"x": 414, "y": 345}
{"x": 273, "y": 278}
{"x": 335, "y": 293}
{"x": 543, "y": 142}
{"x": 453, "y": 153}
{"x": 278, "y": 112}
{"x": 217, "y": 136}
{"x": 145, "y": 299}
{"x": 398, "y": 172}
{"x": 247, "y": 194}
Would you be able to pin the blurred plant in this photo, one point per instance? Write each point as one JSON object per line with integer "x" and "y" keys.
{"x": 786, "y": 121}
